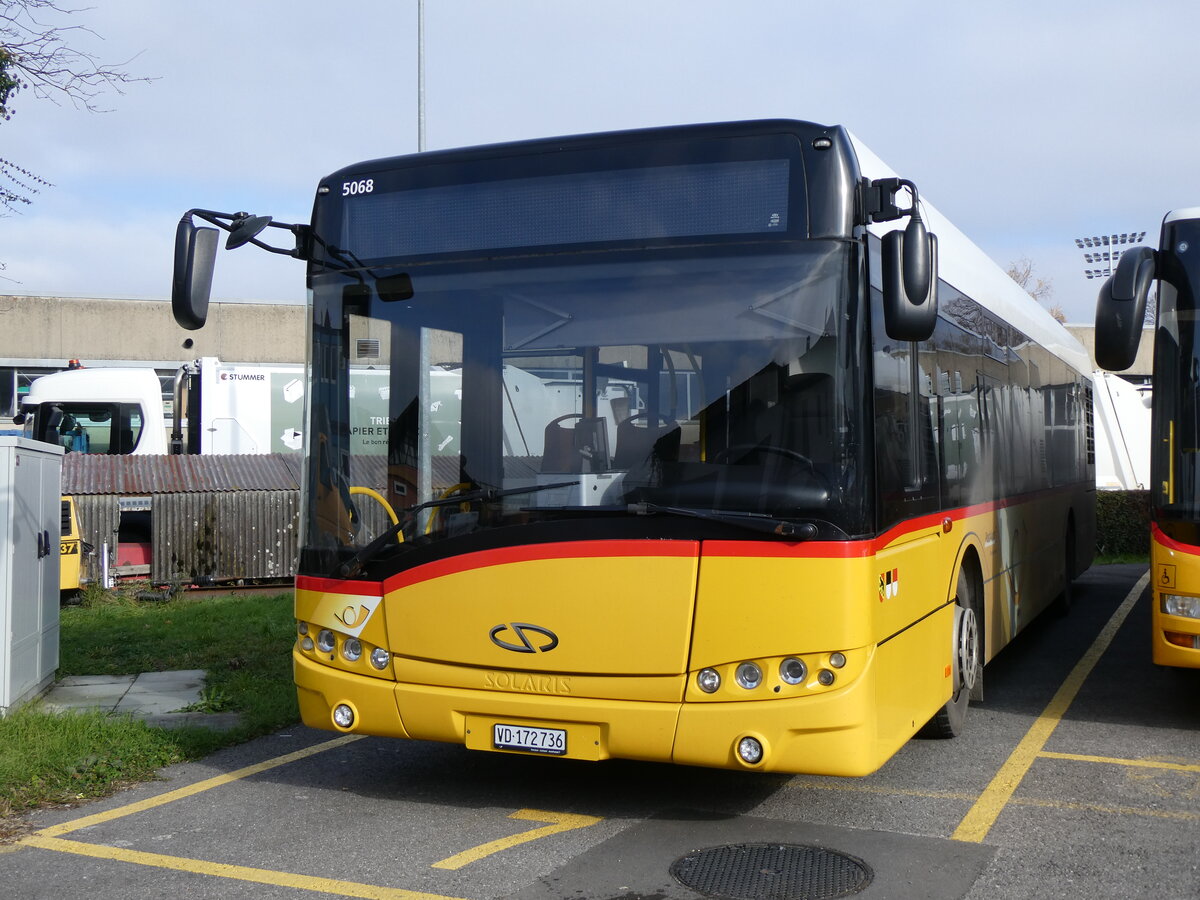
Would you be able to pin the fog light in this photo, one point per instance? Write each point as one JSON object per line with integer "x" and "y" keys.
{"x": 302, "y": 628}
{"x": 307, "y": 643}
{"x": 748, "y": 676}
{"x": 380, "y": 658}
{"x": 352, "y": 649}
{"x": 1175, "y": 605}
{"x": 325, "y": 640}
{"x": 708, "y": 680}
{"x": 343, "y": 716}
{"x": 837, "y": 660}
{"x": 750, "y": 750}
{"x": 825, "y": 677}
{"x": 793, "y": 671}
{"x": 1190, "y": 641}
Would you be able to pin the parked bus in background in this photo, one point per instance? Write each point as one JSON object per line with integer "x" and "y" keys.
{"x": 815, "y": 469}
{"x": 1175, "y": 418}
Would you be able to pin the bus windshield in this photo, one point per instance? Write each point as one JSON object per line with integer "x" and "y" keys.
{"x": 560, "y": 389}
{"x": 1175, "y": 450}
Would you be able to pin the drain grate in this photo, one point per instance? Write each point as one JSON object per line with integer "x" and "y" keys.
{"x": 771, "y": 872}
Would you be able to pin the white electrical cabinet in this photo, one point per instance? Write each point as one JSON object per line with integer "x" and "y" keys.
{"x": 30, "y": 532}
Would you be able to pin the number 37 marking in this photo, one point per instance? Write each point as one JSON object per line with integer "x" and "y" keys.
{"x": 561, "y": 822}
{"x": 351, "y": 188}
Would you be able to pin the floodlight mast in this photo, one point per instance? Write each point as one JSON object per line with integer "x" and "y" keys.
{"x": 1101, "y": 251}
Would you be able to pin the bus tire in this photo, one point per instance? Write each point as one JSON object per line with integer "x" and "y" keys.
{"x": 1062, "y": 603}
{"x": 950, "y": 720}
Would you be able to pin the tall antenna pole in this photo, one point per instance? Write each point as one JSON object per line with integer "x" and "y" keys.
{"x": 420, "y": 75}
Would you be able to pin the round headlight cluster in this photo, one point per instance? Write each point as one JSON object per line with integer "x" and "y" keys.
{"x": 325, "y": 640}
{"x": 352, "y": 649}
{"x": 793, "y": 670}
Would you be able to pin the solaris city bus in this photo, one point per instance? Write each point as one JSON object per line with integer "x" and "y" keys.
{"x": 1174, "y": 417}
{"x": 690, "y": 455}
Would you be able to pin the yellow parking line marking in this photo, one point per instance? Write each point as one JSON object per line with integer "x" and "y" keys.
{"x": 982, "y": 816}
{"x": 885, "y": 791}
{"x": 1180, "y": 815}
{"x": 224, "y": 870}
{"x": 193, "y": 789}
{"x": 562, "y": 822}
{"x": 853, "y": 787}
{"x": 1133, "y": 763}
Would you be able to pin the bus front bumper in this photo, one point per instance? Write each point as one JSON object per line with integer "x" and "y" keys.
{"x": 1176, "y": 641}
{"x": 831, "y": 734}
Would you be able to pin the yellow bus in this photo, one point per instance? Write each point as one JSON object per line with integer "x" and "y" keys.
{"x": 700, "y": 448}
{"x": 1174, "y": 417}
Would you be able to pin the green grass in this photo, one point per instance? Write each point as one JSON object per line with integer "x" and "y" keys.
{"x": 243, "y": 643}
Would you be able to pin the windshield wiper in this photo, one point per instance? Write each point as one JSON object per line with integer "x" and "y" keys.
{"x": 797, "y": 531}
{"x": 354, "y": 564}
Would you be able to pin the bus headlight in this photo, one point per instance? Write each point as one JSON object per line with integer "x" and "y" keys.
{"x": 1175, "y": 605}
{"x": 748, "y": 675}
{"x": 793, "y": 671}
{"x": 325, "y": 640}
{"x": 708, "y": 680}
{"x": 352, "y": 649}
{"x": 380, "y": 658}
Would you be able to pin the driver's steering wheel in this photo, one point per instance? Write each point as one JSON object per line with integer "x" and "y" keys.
{"x": 743, "y": 450}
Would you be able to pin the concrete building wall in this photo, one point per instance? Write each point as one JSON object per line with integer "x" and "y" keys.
{"x": 48, "y": 331}
{"x": 1143, "y": 364}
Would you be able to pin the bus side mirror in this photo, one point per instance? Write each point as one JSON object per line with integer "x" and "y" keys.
{"x": 1121, "y": 309}
{"x": 195, "y": 254}
{"x": 910, "y": 277}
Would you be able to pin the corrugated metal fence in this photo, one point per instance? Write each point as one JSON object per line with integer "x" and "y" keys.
{"x": 213, "y": 518}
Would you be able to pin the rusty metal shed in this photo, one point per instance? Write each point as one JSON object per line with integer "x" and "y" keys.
{"x": 206, "y": 518}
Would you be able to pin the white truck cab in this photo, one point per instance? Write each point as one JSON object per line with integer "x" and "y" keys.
{"x": 104, "y": 410}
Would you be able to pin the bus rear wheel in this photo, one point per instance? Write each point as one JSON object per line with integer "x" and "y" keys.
{"x": 949, "y": 721}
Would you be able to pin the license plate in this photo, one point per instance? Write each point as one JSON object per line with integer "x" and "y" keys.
{"x": 532, "y": 740}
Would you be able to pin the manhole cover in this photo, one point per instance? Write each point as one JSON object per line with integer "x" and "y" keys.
{"x": 771, "y": 872}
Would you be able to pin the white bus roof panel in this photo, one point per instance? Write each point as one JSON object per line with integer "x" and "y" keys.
{"x": 970, "y": 270}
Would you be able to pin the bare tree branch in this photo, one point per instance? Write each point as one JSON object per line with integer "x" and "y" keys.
{"x": 37, "y": 55}
{"x": 1040, "y": 289}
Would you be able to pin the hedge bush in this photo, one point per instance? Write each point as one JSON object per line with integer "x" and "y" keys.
{"x": 1122, "y": 523}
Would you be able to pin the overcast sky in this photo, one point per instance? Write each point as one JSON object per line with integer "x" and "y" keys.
{"x": 1028, "y": 124}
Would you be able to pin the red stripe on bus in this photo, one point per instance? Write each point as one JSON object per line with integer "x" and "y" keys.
{"x": 1170, "y": 543}
{"x": 672, "y": 549}
{"x": 336, "y": 586}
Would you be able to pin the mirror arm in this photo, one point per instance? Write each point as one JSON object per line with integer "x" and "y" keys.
{"x": 300, "y": 232}
{"x": 230, "y": 221}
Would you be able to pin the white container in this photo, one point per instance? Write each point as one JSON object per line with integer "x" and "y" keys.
{"x": 30, "y": 534}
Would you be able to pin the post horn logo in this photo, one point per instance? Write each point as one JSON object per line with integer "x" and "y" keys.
{"x": 521, "y": 631}
{"x": 352, "y": 618}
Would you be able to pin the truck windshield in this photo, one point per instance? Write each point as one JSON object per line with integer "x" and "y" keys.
{"x": 86, "y": 427}
{"x": 560, "y": 390}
